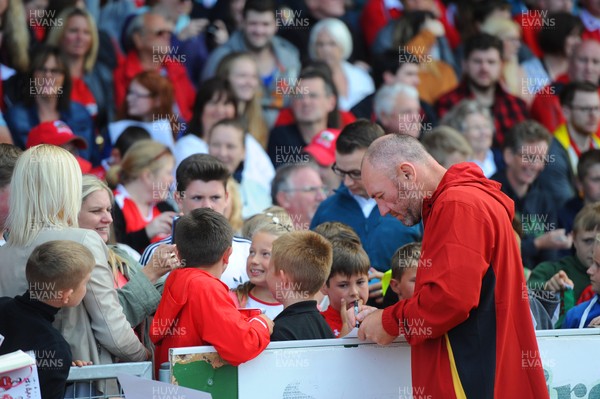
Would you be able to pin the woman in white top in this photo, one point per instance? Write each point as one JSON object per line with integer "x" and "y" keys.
{"x": 330, "y": 41}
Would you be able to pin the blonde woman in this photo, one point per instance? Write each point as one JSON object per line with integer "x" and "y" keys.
{"x": 44, "y": 205}
{"x": 79, "y": 42}
{"x": 138, "y": 287}
{"x": 144, "y": 181}
{"x": 233, "y": 211}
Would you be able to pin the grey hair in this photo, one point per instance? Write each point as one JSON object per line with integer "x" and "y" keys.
{"x": 456, "y": 117}
{"x": 281, "y": 181}
{"x": 135, "y": 26}
{"x": 385, "y": 98}
{"x": 338, "y": 30}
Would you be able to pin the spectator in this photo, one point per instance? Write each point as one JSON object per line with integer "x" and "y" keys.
{"x": 402, "y": 273}
{"x": 584, "y": 66}
{"x": 202, "y": 183}
{"x": 322, "y": 151}
{"x": 588, "y": 188}
{"x": 379, "y": 235}
{"x": 447, "y": 146}
{"x": 277, "y": 59}
{"x": 302, "y": 259}
{"x": 313, "y": 101}
{"x": 330, "y": 41}
{"x": 226, "y": 142}
{"x": 482, "y": 68}
{"x": 96, "y": 330}
{"x": 587, "y": 314}
{"x": 137, "y": 287}
{"x": 149, "y": 100}
{"x": 581, "y": 107}
{"x": 538, "y": 18}
{"x": 49, "y": 99}
{"x": 196, "y": 309}
{"x": 421, "y": 35}
{"x": 513, "y": 76}
{"x": 398, "y": 110}
{"x": 556, "y": 45}
{"x": 78, "y": 39}
{"x": 255, "y": 293}
{"x": 474, "y": 121}
{"x": 8, "y": 158}
{"x": 233, "y": 210}
{"x": 299, "y": 190}
{"x": 568, "y": 276}
{"x": 241, "y": 71}
{"x": 144, "y": 179}
{"x": 57, "y": 274}
{"x": 347, "y": 284}
{"x": 215, "y": 101}
{"x": 525, "y": 153}
{"x": 59, "y": 134}
{"x": 148, "y": 37}
{"x": 125, "y": 140}
{"x": 590, "y": 18}
{"x": 395, "y": 67}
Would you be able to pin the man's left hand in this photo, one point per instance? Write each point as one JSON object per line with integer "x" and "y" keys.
{"x": 372, "y": 329}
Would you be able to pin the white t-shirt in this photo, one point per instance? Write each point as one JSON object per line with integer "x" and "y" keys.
{"x": 272, "y": 309}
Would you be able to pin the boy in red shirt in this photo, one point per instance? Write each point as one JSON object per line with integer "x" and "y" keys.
{"x": 347, "y": 282}
{"x": 196, "y": 308}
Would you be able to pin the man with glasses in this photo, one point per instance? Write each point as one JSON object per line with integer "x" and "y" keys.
{"x": 379, "y": 235}
{"x": 298, "y": 188}
{"x": 147, "y": 42}
{"x": 580, "y": 103}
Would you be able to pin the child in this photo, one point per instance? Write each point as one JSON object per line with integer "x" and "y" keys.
{"x": 196, "y": 308}
{"x": 403, "y": 272}
{"x": 587, "y": 314}
{"x": 255, "y": 293}
{"x": 57, "y": 273}
{"x": 300, "y": 264}
{"x": 348, "y": 282}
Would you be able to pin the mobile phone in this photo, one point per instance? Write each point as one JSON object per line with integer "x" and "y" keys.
{"x": 175, "y": 219}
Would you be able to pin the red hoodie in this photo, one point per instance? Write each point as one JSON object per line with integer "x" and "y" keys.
{"x": 196, "y": 310}
{"x": 469, "y": 323}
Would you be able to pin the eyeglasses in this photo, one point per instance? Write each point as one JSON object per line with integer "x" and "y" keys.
{"x": 588, "y": 110}
{"x": 353, "y": 174}
{"x": 139, "y": 95}
{"x": 309, "y": 189}
{"x": 52, "y": 71}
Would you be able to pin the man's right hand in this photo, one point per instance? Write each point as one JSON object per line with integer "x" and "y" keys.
{"x": 372, "y": 329}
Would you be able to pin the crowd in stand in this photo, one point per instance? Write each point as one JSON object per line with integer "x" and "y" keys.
{"x": 206, "y": 156}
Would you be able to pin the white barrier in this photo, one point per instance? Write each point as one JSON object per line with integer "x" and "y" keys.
{"x": 352, "y": 369}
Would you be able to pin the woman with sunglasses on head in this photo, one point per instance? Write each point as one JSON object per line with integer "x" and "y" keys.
{"x": 144, "y": 179}
{"x": 149, "y": 100}
{"x": 48, "y": 98}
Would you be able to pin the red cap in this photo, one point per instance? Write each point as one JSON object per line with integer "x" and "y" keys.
{"x": 322, "y": 147}
{"x": 55, "y": 133}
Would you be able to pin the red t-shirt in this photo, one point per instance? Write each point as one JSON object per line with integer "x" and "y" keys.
{"x": 83, "y": 95}
{"x": 334, "y": 320}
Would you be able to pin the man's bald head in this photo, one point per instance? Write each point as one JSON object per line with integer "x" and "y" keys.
{"x": 392, "y": 149}
{"x": 584, "y": 65}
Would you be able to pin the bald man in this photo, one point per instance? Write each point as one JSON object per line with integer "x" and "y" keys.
{"x": 469, "y": 321}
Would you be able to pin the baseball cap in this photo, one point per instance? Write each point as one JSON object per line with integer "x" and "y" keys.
{"x": 322, "y": 147}
{"x": 56, "y": 133}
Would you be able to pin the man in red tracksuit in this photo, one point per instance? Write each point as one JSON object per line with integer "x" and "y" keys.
{"x": 468, "y": 323}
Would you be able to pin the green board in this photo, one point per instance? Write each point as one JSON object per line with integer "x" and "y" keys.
{"x": 206, "y": 372}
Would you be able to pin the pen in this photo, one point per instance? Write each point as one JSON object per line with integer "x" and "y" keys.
{"x": 356, "y": 312}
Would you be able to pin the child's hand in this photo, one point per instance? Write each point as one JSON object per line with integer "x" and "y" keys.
{"x": 347, "y": 326}
{"x": 269, "y": 322}
{"x": 81, "y": 363}
{"x": 595, "y": 322}
{"x": 559, "y": 282}
{"x": 363, "y": 311}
